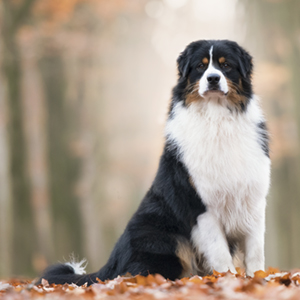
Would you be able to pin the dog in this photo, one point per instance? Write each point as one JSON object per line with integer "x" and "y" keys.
{"x": 207, "y": 201}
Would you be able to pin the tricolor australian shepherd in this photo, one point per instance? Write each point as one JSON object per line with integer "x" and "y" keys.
{"x": 208, "y": 198}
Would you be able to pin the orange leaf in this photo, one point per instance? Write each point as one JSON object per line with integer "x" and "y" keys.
{"x": 196, "y": 279}
{"x": 160, "y": 279}
{"x": 141, "y": 280}
{"x": 218, "y": 274}
{"x": 260, "y": 274}
{"x": 272, "y": 270}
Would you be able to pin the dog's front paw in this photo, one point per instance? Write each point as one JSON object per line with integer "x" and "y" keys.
{"x": 223, "y": 268}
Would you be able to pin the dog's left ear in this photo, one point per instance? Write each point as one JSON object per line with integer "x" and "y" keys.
{"x": 245, "y": 62}
{"x": 183, "y": 63}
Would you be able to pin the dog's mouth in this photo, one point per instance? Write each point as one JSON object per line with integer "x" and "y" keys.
{"x": 214, "y": 91}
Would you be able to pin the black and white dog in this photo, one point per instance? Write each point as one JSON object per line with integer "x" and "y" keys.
{"x": 209, "y": 195}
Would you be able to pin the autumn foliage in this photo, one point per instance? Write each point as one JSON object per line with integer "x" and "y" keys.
{"x": 272, "y": 284}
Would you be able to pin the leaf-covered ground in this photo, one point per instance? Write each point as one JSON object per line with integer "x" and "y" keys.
{"x": 272, "y": 284}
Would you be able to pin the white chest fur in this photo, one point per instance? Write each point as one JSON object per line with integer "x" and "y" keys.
{"x": 224, "y": 159}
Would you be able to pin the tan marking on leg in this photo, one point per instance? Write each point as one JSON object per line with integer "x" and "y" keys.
{"x": 187, "y": 257}
{"x": 192, "y": 182}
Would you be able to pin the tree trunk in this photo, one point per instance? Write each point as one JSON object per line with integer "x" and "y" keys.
{"x": 6, "y": 229}
{"x": 34, "y": 115}
{"x": 23, "y": 240}
{"x": 63, "y": 166}
{"x": 274, "y": 28}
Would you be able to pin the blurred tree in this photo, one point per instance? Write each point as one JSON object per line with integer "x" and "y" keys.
{"x": 6, "y": 220}
{"x": 69, "y": 54}
{"x": 63, "y": 166}
{"x": 54, "y": 154}
{"x": 273, "y": 28}
{"x": 34, "y": 124}
{"x": 13, "y": 17}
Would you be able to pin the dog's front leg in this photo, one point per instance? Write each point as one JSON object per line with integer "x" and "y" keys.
{"x": 254, "y": 248}
{"x": 210, "y": 241}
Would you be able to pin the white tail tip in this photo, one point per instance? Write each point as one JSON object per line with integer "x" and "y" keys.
{"x": 78, "y": 267}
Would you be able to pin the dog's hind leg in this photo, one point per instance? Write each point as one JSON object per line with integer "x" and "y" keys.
{"x": 168, "y": 266}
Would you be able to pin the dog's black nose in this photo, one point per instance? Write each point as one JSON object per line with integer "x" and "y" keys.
{"x": 213, "y": 78}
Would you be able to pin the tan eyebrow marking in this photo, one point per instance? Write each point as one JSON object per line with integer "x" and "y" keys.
{"x": 205, "y": 60}
{"x": 222, "y": 60}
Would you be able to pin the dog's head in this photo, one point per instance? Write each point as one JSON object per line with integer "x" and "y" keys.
{"x": 215, "y": 70}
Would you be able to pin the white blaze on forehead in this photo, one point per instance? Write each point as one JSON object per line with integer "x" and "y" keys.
{"x": 211, "y": 69}
{"x": 203, "y": 84}
{"x": 211, "y": 55}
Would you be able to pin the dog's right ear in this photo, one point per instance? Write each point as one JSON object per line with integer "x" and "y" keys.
{"x": 183, "y": 63}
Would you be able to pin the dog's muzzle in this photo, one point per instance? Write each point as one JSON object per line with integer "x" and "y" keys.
{"x": 213, "y": 79}
{"x": 213, "y": 83}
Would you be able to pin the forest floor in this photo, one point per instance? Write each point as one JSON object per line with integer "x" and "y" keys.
{"x": 271, "y": 284}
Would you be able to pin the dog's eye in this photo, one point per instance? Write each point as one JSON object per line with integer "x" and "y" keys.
{"x": 225, "y": 66}
{"x": 201, "y": 66}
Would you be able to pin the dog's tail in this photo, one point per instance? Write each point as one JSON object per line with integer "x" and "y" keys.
{"x": 71, "y": 272}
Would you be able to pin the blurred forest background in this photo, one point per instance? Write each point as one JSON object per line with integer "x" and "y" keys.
{"x": 84, "y": 90}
